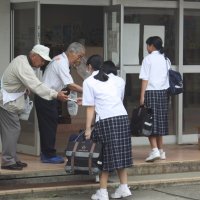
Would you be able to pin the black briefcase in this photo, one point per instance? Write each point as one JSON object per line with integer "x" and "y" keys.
{"x": 84, "y": 156}
{"x": 141, "y": 121}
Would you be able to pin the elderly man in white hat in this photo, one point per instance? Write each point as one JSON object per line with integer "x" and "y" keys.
{"x": 19, "y": 77}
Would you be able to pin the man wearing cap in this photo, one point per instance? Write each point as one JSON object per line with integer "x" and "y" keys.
{"x": 56, "y": 76}
{"x": 19, "y": 77}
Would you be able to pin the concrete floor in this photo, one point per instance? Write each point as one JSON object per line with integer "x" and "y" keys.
{"x": 173, "y": 152}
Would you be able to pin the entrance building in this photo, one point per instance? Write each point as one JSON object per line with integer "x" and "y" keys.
{"x": 117, "y": 30}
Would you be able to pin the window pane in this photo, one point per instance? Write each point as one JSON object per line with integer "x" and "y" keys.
{"x": 155, "y": 17}
{"x": 191, "y": 42}
{"x": 24, "y": 39}
{"x": 191, "y": 103}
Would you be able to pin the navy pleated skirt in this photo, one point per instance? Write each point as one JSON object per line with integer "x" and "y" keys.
{"x": 158, "y": 101}
{"x": 115, "y": 135}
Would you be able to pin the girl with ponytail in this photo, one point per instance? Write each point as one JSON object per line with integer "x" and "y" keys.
{"x": 103, "y": 94}
{"x": 155, "y": 82}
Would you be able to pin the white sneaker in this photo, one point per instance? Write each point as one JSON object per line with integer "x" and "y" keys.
{"x": 154, "y": 155}
{"x": 100, "y": 195}
{"x": 162, "y": 155}
{"x": 119, "y": 193}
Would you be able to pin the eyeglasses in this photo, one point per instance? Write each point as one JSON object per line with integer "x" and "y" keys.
{"x": 80, "y": 56}
{"x": 84, "y": 60}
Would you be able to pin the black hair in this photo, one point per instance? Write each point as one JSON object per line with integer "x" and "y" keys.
{"x": 95, "y": 61}
{"x": 107, "y": 68}
{"x": 157, "y": 42}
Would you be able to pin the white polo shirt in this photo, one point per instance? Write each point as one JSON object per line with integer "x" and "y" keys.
{"x": 155, "y": 69}
{"x": 57, "y": 74}
{"x": 107, "y": 97}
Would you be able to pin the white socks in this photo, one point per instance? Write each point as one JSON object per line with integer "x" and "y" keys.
{"x": 103, "y": 191}
{"x": 123, "y": 186}
{"x": 160, "y": 150}
{"x": 155, "y": 149}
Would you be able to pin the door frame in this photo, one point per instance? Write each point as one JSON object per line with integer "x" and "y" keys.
{"x": 25, "y": 148}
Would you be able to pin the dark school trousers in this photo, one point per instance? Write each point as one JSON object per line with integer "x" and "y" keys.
{"x": 47, "y": 115}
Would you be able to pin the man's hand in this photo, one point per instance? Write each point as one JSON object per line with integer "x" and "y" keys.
{"x": 62, "y": 96}
{"x": 27, "y": 92}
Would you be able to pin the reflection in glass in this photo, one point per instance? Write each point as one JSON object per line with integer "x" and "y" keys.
{"x": 113, "y": 37}
{"x": 191, "y": 43}
{"x": 24, "y": 31}
{"x": 191, "y": 103}
{"x": 71, "y": 23}
{"x": 160, "y": 17}
{"x": 23, "y": 42}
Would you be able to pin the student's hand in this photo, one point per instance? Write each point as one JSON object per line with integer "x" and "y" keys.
{"x": 79, "y": 101}
{"x": 62, "y": 96}
{"x": 141, "y": 101}
{"x": 88, "y": 132}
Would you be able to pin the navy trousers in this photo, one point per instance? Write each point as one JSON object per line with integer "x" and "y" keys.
{"x": 47, "y": 115}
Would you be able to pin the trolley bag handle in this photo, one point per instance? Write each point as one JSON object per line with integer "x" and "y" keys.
{"x": 90, "y": 158}
{"x": 73, "y": 156}
{"x": 80, "y": 135}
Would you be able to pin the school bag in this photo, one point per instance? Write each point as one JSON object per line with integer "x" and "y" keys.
{"x": 175, "y": 81}
{"x": 141, "y": 121}
{"x": 84, "y": 156}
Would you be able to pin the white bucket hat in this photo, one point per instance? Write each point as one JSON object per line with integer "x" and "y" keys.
{"x": 42, "y": 51}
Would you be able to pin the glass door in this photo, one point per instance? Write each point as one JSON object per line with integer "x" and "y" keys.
{"x": 113, "y": 16}
{"x": 125, "y": 32}
{"x": 25, "y": 33}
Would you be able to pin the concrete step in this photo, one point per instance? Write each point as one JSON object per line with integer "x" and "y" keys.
{"x": 135, "y": 182}
{"x": 160, "y": 167}
{"x": 141, "y": 176}
{"x": 59, "y": 175}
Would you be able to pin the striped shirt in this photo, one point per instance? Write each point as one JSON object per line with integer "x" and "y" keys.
{"x": 57, "y": 74}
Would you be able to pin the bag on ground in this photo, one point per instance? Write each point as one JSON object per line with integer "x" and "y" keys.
{"x": 84, "y": 156}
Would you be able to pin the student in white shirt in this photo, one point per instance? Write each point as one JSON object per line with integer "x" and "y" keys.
{"x": 103, "y": 94}
{"x": 155, "y": 82}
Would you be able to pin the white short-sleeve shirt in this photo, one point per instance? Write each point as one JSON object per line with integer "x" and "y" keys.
{"x": 107, "y": 97}
{"x": 155, "y": 69}
{"x": 57, "y": 74}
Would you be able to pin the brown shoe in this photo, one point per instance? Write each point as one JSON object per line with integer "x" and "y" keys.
{"x": 21, "y": 164}
{"x": 12, "y": 167}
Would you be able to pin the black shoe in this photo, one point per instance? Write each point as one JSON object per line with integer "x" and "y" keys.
{"x": 21, "y": 164}
{"x": 12, "y": 167}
